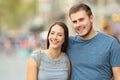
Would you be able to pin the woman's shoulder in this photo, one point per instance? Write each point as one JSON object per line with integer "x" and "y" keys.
{"x": 34, "y": 54}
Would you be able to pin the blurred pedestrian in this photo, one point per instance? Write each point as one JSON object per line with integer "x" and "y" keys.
{"x": 108, "y": 29}
{"x": 7, "y": 46}
{"x": 36, "y": 46}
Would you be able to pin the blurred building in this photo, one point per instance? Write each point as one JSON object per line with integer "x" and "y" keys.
{"x": 48, "y": 11}
{"x": 54, "y": 10}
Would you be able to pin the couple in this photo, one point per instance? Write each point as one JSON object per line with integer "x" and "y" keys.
{"x": 93, "y": 55}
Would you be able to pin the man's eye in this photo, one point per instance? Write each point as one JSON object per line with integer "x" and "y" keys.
{"x": 74, "y": 21}
{"x": 81, "y": 19}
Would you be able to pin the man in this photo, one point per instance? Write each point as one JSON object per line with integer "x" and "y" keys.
{"x": 93, "y": 55}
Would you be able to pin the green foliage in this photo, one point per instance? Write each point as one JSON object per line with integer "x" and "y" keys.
{"x": 37, "y": 28}
{"x": 14, "y": 13}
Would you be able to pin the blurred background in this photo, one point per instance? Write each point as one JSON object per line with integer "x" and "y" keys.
{"x": 24, "y": 25}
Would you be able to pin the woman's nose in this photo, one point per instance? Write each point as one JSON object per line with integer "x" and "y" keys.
{"x": 54, "y": 36}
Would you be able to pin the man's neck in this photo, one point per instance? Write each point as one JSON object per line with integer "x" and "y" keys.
{"x": 90, "y": 35}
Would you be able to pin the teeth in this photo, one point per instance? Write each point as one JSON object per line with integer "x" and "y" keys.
{"x": 54, "y": 42}
{"x": 81, "y": 29}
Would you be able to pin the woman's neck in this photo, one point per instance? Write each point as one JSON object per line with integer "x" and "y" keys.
{"x": 54, "y": 54}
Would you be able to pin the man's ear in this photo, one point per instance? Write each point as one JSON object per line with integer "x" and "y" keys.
{"x": 92, "y": 18}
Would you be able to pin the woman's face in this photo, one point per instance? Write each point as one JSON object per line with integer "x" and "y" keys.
{"x": 56, "y": 37}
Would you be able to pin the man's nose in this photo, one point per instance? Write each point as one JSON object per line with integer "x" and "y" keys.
{"x": 78, "y": 23}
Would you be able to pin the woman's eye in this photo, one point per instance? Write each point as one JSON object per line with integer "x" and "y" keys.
{"x": 60, "y": 34}
{"x": 51, "y": 33}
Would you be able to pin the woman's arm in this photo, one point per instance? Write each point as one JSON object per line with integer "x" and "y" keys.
{"x": 31, "y": 69}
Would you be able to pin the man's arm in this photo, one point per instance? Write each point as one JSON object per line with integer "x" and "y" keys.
{"x": 116, "y": 73}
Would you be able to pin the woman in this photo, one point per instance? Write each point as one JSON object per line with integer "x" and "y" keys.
{"x": 54, "y": 64}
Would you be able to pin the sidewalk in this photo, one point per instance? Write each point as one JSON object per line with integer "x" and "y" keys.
{"x": 12, "y": 67}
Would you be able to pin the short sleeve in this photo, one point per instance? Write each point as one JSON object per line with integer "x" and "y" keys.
{"x": 35, "y": 57}
{"x": 115, "y": 54}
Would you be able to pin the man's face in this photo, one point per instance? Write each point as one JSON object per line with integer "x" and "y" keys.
{"x": 82, "y": 23}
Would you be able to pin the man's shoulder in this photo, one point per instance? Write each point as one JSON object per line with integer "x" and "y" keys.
{"x": 106, "y": 36}
{"x": 73, "y": 37}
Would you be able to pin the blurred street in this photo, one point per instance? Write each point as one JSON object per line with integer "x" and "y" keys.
{"x": 24, "y": 26}
{"x": 12, "y": 67}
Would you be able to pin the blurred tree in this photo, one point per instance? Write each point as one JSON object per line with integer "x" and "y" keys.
{"x": 37, "y": 28}
{"x": 13, "y": 13}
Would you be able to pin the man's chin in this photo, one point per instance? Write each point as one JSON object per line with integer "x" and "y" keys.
{"x": 82, "y": 34}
